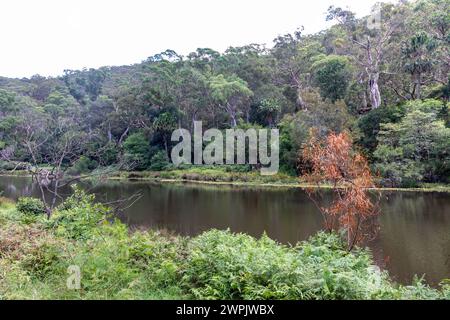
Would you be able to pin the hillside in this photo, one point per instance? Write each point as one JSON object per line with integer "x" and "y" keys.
{"x": 378, "y": 84}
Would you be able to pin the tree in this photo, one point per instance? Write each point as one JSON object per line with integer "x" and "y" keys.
{"x": 269, "y": 108}
{"x": 334, "y": 162}
{"x": 332, "y": 75}
{"x": 293, "y": 56}
{"x": 7, "y": 100}
{"x": 204, "y": 59}
{"x": 193, "y": 95}
{"x": 54, "y": 142}
{"x": 137, "y": 149}
{"x": 323, "y": 117}
{"x": 417, "y": 60}
{"x": 370, "y": 43}
{"x": 416, "y": 149}
{"x": 85, "y": 83}
{"x": 231, "y": 93}
{"x": 369, "y": 125}
{"x": 8, "y": 119}
{"x": 165, "y": 124}
{"x": 417, "y": 54}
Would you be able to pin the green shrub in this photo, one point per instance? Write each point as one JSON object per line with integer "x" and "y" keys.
{"x": 238, "y": 168}
{"x": 30, "y": 206}
{"x": 415, "y": 149}
{"x": 83, "y": 165}
{"x": 78, "y": 216}
{"x": 221, "y": 265}
{"x": 137, "y": 149}
{"x": 446, "y": 289}
{"x": 159, "y": 162}
{"x": 43, "y": 259}
{"x": 226, "y": 266}
{"x": 370, "y": 124}
{"x": 6, "y": 165}
{"x": 159, "y": 256}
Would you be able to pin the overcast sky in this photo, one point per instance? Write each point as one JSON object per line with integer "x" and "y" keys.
{"x": 47, "y": 36}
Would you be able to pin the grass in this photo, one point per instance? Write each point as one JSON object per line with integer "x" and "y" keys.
{"x": 210, "y": 174}
{"x": 115, "y": 263}
{"x": 221, "y": 176}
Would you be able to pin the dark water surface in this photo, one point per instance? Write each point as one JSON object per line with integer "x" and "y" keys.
{"x": 414, "y": 236}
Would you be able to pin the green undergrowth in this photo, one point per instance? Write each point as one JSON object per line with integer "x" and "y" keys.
{"x": 36, "y": 255}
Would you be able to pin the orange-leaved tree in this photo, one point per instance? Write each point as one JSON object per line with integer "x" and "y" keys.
{"x": 332, "y": 162}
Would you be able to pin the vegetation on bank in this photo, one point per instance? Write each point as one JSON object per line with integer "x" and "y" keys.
{"x": 223, "y": 176}
{"x": 115, "y": 263}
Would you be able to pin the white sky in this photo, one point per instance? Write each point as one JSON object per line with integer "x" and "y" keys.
{"x": 47, "y": 36}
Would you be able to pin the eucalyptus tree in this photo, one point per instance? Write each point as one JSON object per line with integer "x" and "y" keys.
{"x": 368, "y": 42}
{"x": 8, "y": 119}
{"x": 193, "y": 94}
{"x": 84, "y": 84}
{"x": 418, "y": 56}
{"x": 415, "y": 149}
{"x": 418, "y": 61}
{"x": 332, "y": 74}
{"x": 433, "y": 18}
{"x": 293, "y": 55}
{"x": 251, "y": 63}
{"x": 165, "y": 124}
{"x": 204, "y": 59}
{"x": 52, "y": 140}
{"x": 231, "y": 93}
{"x": 129, "y": 114}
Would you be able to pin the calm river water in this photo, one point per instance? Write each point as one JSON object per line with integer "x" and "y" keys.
{"x": 414, "y": 236}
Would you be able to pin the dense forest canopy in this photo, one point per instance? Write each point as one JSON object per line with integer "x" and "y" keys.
{"x": 389, "y": 87}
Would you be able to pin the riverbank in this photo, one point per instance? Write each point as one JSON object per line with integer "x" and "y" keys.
{"x": 220, "y": 176}
{"x": 115, "y": 263}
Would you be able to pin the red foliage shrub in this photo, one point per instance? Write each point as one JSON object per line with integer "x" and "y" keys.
{"x": 333, "y": 161}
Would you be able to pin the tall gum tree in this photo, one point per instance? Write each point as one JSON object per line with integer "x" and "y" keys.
{"x": 293, "y": 56}
{"x": 368, "y": 42}
{"x": 231, "y": 93}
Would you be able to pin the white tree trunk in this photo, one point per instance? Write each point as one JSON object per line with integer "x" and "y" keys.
{"x": 375, "y": 97}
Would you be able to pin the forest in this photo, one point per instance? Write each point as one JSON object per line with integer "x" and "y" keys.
{"x": 388, "y": 87}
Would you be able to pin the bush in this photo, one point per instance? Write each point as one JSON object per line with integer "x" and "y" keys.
{"x": 11, "y": 165}
{"x": 159, "y": 162}
{"x": 244, "y": 168}
{"x": 78, "y": 216}
{"x": 370, "y": 124}
{"x": 415, "y": 149}
{"x": 137, "y": 150}
{"x": 6, "y": 165}
{"x": 225, "y": 266}
{"x": 5, "y": 202}
{"x": 43, "y": 259}
{"x": 158, "y": 256}
{"x": 31, "y": 206}
{"x": 83, "y": 165}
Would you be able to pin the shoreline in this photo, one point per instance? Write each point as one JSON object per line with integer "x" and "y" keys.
{"x": 147, "y": 176}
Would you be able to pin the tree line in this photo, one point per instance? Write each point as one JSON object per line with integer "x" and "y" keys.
{"x": 388, "y": 87}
